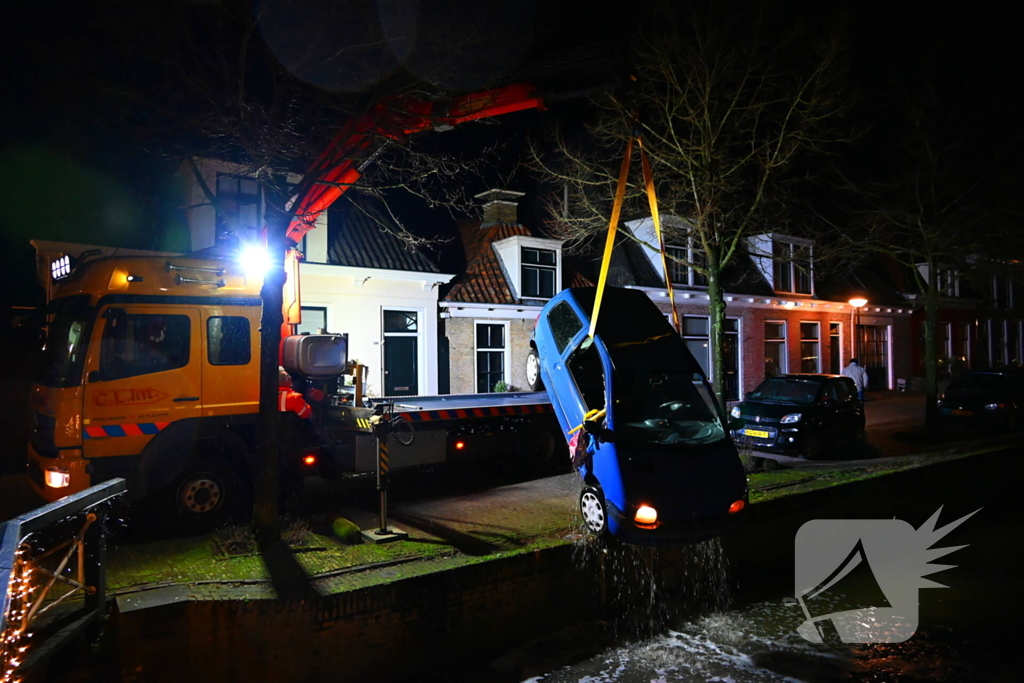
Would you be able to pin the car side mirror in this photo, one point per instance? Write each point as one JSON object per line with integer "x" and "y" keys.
{"x": 95, "y": 376}
{"x": 748, "y": 394}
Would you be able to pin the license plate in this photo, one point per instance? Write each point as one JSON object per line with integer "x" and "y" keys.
{"x": 759, "y": 433}
{"x": 961, "y": 412}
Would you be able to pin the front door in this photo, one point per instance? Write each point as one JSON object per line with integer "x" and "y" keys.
{"x": 401, "y": 353}
{"x": 143, "y": 373}
{"x": 874, "y": 355}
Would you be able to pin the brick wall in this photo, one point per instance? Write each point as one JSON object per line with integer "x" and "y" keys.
{"x": 389, "y": 632}
{"x": 752, "y": 346}
{"x": 461, "y": 334}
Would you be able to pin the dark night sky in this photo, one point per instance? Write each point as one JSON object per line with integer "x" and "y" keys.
{"x": 66, "y": 176}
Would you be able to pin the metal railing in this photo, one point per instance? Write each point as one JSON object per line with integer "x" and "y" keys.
{"x": 48, "y": 557}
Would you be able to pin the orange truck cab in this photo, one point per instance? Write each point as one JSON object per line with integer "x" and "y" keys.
{"x": 151, "y": 373}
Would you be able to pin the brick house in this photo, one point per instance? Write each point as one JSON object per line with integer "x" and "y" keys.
{"x": 489, "y": 312}
{"x": 980, "y": 319}
{"x": 779, "y": 317}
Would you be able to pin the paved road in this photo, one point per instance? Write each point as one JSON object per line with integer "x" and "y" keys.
{"x": 888, "y": 414}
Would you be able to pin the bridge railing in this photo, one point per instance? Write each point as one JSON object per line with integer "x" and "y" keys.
{"x": 50, "y": 557}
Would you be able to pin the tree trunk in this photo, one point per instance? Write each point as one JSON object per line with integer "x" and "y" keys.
{"x": 931, "y": 356}
{"x": 716, "y": 308}
{"x": 268, "y": 468}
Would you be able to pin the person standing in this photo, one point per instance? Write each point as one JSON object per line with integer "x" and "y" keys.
{"x": 859, "y": 375}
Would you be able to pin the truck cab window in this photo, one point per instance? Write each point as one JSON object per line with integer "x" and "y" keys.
{"x": 141, "y": 344}
{"x": 227, "y": 340}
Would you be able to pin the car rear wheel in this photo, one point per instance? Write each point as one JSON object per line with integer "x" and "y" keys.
{"x": 533, "y": 379}
{"x": 594, "y": 511}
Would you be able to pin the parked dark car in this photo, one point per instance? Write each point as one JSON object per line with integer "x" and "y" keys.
{"x": 654, "y": 452}
{"x": 799, "y": 414}
{"x": 985, "y": 399}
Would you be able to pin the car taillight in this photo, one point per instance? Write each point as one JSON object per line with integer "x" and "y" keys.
{"x": 309, "y": 459}
{"x": 737, "y": 507}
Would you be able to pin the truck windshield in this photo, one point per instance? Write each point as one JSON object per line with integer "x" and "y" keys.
{"x": 67, "y": 336}
{"x": 659, "y": 401}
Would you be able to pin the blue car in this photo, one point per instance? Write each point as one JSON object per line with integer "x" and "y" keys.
{"x": 644, "y": 429}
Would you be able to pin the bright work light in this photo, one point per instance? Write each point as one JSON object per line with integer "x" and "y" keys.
{"x": 254, "y": 260}
{"x": 60, "y": 268}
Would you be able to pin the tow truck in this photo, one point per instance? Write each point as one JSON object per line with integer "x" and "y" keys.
{"x": 151, "y": 368}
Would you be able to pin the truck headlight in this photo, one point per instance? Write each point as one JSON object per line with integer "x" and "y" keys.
{"x": 791, "y": 418}
{"x": 57, "y": 478}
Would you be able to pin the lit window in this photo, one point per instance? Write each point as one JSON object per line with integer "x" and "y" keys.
{"x": 774, "y": 349}
{"x": 810, "y": 344}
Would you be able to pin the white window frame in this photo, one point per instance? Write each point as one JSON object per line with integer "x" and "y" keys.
{"x": 421, "y": 347}
{"x": 258, "y": 202}
{"x": 554, "y": 269}
{"x": 948, "y": 282}
{"x": 691, "y": 273}
{"x": 842, "y": 342}
{"x": 324, "y": 307}
{"x": 784, "y": 370}
{"x": 816, "y": 323}
{"x": 510, "y": 254}
{"x": 506, "y": 361}
{"x": 791, "y": 243}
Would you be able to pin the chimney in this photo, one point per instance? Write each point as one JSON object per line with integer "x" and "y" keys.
{"x": 500, "y": 206}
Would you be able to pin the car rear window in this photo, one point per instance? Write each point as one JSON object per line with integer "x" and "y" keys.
{"x": 787, "y": 390}
{"x": 981, "y": 382}
{"x": 564, "y": 324}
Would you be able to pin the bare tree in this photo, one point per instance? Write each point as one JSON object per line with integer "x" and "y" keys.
{"x": 940, "y": 211}
{"x": 729, "y": 107}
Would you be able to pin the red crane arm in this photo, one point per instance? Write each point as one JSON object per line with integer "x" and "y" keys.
{"x": 340, "y": 166}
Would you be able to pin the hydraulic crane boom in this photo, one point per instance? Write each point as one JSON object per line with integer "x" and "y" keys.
{"x": 341, "y": 164}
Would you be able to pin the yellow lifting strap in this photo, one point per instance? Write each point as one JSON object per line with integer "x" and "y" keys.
{"x": 613, "y": 226}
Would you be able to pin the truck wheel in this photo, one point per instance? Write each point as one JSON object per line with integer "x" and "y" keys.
{"x": 207, "y": 493}
{"x": 533, "y": 379}
{"x": 594, "y": 511}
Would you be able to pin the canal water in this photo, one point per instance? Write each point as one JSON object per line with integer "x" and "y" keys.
{"x": 969, "y": 631}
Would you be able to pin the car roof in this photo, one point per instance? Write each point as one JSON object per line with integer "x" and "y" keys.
{"x": 808, "y": 376}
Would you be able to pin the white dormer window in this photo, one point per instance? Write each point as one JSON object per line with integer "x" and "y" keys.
{"x": 540, "y": 270}
{"x": 533, "y": 265}
{"x": 681, "y": 273}
{"x": 792, "y": 265}
{"x": 238, "y": 203}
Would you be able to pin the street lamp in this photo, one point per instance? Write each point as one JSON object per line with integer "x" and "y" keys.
{"x": 856, "y": 303}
